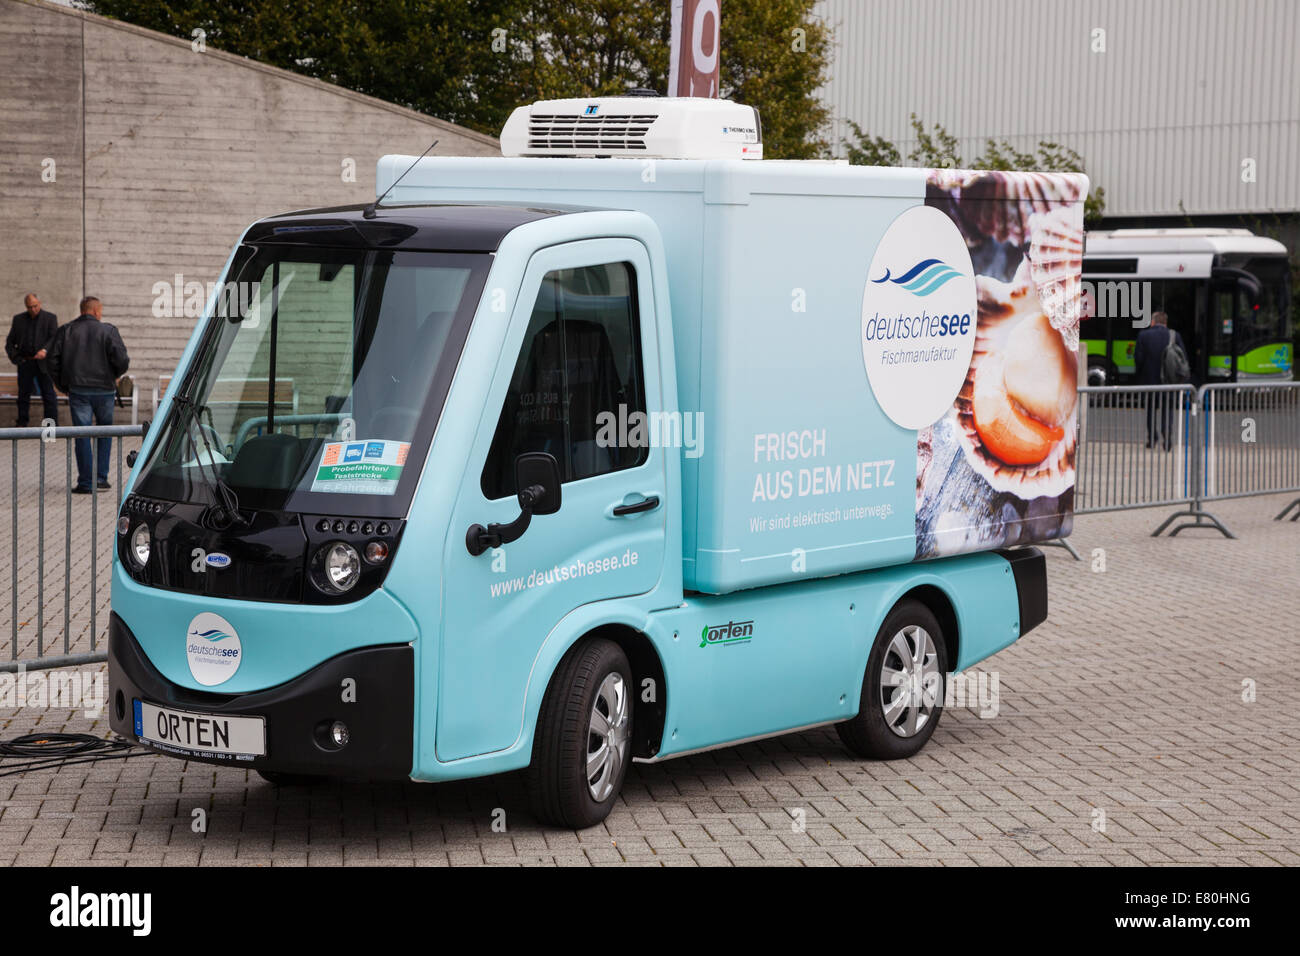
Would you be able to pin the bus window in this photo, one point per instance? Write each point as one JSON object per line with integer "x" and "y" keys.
{"x": 1222, "y": 322}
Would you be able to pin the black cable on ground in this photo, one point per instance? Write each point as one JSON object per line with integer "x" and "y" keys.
{"x": 47, "y": 751}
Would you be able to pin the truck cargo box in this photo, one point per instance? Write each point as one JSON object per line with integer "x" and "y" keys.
{"x": 875, "y": 366}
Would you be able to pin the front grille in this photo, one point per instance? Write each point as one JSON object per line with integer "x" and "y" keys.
{"x": 587, "y": 134}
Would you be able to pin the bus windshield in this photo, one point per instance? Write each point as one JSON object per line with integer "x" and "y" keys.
{"x": 320, "y": 376}
{"x": 1252, "y": 317}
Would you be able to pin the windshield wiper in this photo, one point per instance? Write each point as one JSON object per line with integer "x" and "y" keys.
{"x": 227, "y": 501}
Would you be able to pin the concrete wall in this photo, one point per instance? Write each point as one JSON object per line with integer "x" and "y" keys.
{"x": 162, "y": 155}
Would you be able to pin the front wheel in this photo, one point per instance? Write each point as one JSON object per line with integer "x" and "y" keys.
{"x": 902, "y": 692}
{"x": 582, "y": 744}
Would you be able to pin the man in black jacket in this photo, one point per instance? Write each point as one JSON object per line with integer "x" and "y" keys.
{"x": 1149, "y": 356}
{"x": 86, "y": 358}
{"x": 25, "y": 345}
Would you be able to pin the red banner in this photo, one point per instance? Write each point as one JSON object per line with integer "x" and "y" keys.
{"x": 693, "y": 69}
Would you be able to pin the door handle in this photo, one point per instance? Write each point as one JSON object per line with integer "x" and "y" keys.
{"x": 645, "y": 504}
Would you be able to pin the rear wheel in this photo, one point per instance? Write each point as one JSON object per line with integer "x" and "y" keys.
{"x": 902, "y": 691}
{"x": 582, "y": 744}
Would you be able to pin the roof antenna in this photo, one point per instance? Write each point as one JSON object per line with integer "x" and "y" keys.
{"x": 369, "y": 211}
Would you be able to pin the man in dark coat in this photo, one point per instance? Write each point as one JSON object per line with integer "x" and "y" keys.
{"x": 25, "y": 345}
{"x": 1149, "y": 355}
{"x": 86, "y": 358}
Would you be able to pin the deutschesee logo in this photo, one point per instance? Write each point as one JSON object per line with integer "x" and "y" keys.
{"x": 926, "y": 277}
{"x": 919, "y": 317}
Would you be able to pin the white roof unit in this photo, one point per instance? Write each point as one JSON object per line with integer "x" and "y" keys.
{"x": 635, "y": 126}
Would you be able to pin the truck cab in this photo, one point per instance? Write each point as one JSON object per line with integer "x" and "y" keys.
{"x": 528, "y": 465}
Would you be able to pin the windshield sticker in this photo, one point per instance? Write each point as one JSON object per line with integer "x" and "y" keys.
{"x": 361, "y": 467}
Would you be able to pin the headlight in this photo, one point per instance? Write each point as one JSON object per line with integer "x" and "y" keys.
{"x": 140, "y": 544}
{"x": 340, "y": 567}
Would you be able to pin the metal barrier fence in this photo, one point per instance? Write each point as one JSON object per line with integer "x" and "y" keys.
{"x": 1160, "y": 445}
{"x": 1252, "y": 440}
{"x": 1135, "y": 447}
{"x": 85, "y": 534}
{"x": 1139, "y": 447}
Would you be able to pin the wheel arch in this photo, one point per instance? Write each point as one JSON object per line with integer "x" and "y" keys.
{"x": 648, "y": 715}
{"x": 937, "y": 601}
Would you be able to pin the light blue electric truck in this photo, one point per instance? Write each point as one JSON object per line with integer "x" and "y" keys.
{"x": 625, "y": 445}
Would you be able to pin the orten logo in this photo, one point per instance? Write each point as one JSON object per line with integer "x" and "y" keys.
{"x": 926, "y": 277}
{"x": 732, "y": 632}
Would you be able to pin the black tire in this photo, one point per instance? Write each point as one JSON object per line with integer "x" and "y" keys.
{"x": 869, "y": 733}
{"x": 281, "y": 779}
{"x": 1100, "y": 373}
{"x": 558, "y": 785}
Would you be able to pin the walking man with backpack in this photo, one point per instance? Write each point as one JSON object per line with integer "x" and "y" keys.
{"x": 1161, "y": 359}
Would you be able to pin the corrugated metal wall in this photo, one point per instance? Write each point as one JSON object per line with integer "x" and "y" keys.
{"x": 1185, "y": 92}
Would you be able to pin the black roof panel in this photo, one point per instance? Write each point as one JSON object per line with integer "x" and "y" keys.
{"x": 443, "y": 227}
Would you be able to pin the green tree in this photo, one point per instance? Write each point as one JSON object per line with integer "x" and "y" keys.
{"x": 936, "y": 148}
{"x": 473, "y": 61}
{"x": 775, "y": 56}
{"x": 435, "y": 56}
{"x": 866, "y": 150}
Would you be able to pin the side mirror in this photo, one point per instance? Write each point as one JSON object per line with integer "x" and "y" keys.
{"x": 537, "y": 477}
{"x": 537, "y": 469}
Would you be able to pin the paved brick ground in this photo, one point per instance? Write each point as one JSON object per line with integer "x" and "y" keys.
{"x": 1122, "y": 737}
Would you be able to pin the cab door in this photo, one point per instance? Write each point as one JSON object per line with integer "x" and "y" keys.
{"x": 579, "y": 370}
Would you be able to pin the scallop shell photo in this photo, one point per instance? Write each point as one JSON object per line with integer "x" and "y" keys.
{"x": 1001, "y": 204}
{"x": 1055, "y": 264}
{"x": 1003, "y": 307}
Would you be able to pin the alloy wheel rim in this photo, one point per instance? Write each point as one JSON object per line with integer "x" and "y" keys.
{"x": 607, "y": 736}
{"x": 909, "y": 681}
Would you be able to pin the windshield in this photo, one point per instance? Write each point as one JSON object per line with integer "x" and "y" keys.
{"x": 1252, "y": 300}
{"x": 320, "y": 376}
{"x": 1267, "y": 307}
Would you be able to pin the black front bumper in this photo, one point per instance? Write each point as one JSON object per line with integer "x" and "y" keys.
{"x": 380, "y": 719}
{"x": 1029, "y": 568}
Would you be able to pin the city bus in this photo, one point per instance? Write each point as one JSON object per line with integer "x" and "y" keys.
{"x": 1226, "y": 291}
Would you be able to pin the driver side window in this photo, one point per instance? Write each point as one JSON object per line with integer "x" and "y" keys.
{"x": 579, "y": 367}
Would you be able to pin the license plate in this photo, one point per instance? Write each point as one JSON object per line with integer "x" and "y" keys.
{"x": 210, "y": 734}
